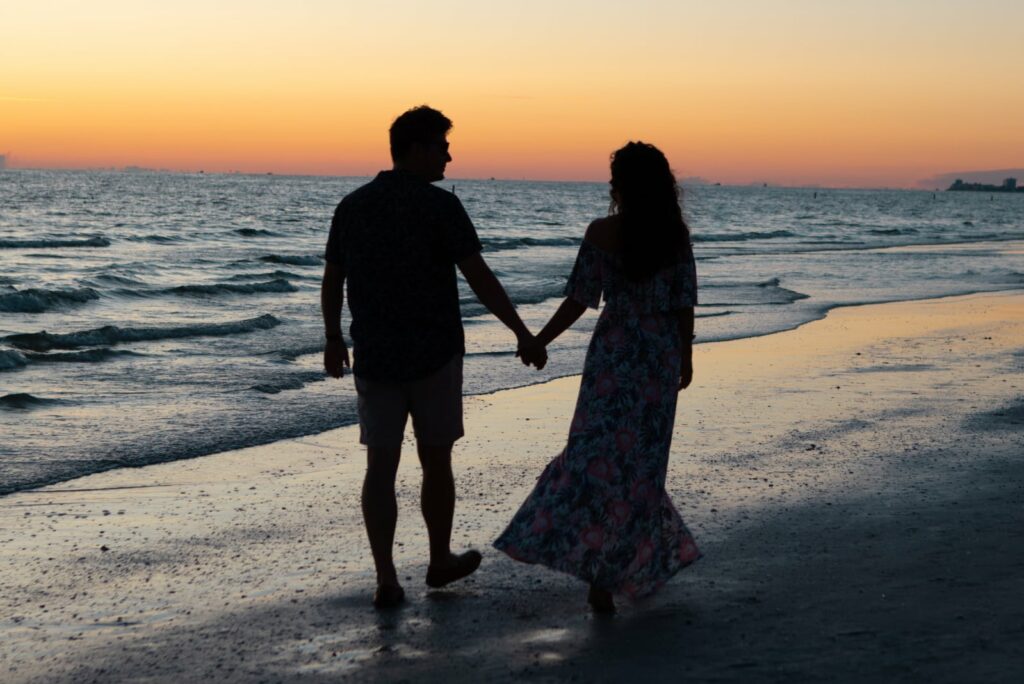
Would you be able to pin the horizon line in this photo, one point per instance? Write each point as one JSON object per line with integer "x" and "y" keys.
{"x": 686, "y": 182}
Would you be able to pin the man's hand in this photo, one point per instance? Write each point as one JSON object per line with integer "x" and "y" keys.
{"x": 532, "y": 353}
{"x": 336, "y": 357}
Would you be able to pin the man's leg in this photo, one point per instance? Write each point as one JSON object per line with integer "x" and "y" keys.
{"x": 436, "y": 406}
{"x": 437, "y": 499}
{"x": 380, "y": 509}
{"x": 438, "y": 504}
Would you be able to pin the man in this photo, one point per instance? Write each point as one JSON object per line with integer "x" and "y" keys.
{"x": 397, "y": 241}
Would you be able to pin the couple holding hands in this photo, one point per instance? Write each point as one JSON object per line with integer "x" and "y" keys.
{"x": 599, "y": 510}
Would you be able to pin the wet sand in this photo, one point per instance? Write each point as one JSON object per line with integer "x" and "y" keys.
{"x": 856, "y": 486}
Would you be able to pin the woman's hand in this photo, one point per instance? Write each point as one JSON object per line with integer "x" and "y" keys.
{"x": 686, "y": 372}
{"x": 532, "y": 352}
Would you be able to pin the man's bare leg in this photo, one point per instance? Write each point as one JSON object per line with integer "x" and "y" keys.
{"x": 437, "y": 501}
{"x": 380, "y": 510}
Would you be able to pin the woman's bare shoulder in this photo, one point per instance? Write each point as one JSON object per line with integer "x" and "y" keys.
{"x": 604, "y": 233}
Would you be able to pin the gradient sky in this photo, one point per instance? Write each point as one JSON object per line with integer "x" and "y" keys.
{"x": 867, "y": 93}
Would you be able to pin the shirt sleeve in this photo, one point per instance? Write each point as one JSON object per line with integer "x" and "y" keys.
{"x": 586, "y": 280}
{"x": 458, "y": 234}
{"x": 335, "y": 251}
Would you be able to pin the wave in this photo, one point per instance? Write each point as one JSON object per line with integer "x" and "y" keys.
{"x": 110, "y": 335}
{"x": 86, "y": 356}
{"x": 292, "y": 382}
{"x": 278, "y": 285}
{"x": 743, "y": 237}
{"x": 25, "y": 402}
{"x": 37, "y": 301}
{"x": 296, "y": 352}
{"x": 11, "y": 359}
{"x": 159, "y": 239}
{"x": 893, "y": 231}
{"x": 95, "y": 241}
{"x": 520, "y": 296}
{"x": 497, "y": 244}
{"x": 117, "y": 279}
{"x": 748, "y": 294}
{"x": 256, "y": 232}
{"x": 293, "y": 260}
{"x": 273, "y": 275}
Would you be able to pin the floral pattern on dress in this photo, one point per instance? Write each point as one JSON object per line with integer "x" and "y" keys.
{"x": 599, "y": 510}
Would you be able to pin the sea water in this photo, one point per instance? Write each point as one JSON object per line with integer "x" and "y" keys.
{"x": 146, "y": 317}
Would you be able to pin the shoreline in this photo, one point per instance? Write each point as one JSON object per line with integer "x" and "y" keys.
{"x": 821, "y": 313}
{"x": 854, "y": 484}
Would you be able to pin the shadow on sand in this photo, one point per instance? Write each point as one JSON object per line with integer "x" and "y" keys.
{"x": 912, "y": 582}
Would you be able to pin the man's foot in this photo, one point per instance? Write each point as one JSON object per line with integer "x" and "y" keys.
{"x": 601, "y": 601}
{"x": 388, "y": 596}
{"x": 458, "y": 567}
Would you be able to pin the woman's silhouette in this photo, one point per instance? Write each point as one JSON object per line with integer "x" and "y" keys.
{"x": 599, "y": 510}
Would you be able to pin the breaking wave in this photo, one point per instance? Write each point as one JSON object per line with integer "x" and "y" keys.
{"x": 293, "y": 260}
{"x": 277, "y": 285}
{"x": 38, "y": 301}
{"x": 256, "y": 232}
{"x": 11, "y": 359}
{"x": 497, "y": 244}
{"x": 24, "y": 402}
{"x": 743, "y": 237}
{"x": 95, "y": 241}
{"x": 110, "y": 335}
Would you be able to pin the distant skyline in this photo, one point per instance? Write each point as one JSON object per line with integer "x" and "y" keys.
{"x": 798, "y": 92}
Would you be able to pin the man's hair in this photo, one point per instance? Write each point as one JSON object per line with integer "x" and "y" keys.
{"x": 418, "y": 125}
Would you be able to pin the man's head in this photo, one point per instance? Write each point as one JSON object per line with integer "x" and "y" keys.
{"x": 418, "y": 142}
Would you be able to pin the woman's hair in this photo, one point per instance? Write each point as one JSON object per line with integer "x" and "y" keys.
{"x": 646, "y": 197}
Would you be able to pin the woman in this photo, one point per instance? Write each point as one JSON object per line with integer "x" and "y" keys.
{"x": 600, "y": 510}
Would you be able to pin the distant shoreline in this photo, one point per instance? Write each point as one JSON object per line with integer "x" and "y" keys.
{"x": 1009, "y": 185}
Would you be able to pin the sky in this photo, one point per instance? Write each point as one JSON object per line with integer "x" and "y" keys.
{"x": 793, "y": 92}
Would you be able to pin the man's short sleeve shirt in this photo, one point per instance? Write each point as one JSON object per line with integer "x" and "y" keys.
{"x": 398, "y": 239}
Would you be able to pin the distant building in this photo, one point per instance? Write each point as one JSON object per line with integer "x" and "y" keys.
{"x": 1009, "y": 185}
{"x": 3, "y": 161}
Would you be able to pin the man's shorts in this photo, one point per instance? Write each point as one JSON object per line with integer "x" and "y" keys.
{"x": 435, "y": 403}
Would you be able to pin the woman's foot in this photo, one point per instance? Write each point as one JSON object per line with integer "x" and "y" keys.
{"x": 601, "y": 601}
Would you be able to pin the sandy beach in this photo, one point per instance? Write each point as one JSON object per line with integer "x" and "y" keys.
{"x": 856, "y": 486}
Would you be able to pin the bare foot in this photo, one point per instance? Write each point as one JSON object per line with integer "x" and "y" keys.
{"x": 456, "y": 568}
{"x": 601, "y": 601}
{"x": 388, "y": 596}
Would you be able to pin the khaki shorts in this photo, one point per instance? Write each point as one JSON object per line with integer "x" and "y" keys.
{"x": 435, "y": 403}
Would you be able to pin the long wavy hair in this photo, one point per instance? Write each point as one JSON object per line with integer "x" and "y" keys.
{"x": 646, "y": 197}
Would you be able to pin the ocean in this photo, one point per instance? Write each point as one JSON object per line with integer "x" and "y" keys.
{"x": 147, "y": 317}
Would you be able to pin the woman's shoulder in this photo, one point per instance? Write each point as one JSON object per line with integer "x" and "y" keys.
{"x": 603, "y": 233}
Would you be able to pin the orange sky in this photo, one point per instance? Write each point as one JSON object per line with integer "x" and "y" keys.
{"x": 793, "y": 92}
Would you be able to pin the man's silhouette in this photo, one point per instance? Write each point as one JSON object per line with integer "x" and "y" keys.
{"x": 397, "y": 241}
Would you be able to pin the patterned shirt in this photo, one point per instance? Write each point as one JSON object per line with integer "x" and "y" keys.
{"x": 397, "y": 239}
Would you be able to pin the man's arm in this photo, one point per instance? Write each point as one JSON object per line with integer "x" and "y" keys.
{"x": 491, "y": 294}
{"x": 332, "y": 298}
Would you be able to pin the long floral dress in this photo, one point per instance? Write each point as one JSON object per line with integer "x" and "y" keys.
{"x": 599, "y": 510}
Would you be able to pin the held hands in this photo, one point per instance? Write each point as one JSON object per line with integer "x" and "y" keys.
{"x": 335, "y": 357}
{"x": 531, "y": 352}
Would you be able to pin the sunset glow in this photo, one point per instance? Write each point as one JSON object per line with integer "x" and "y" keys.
{"x": 866, "y": 94}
